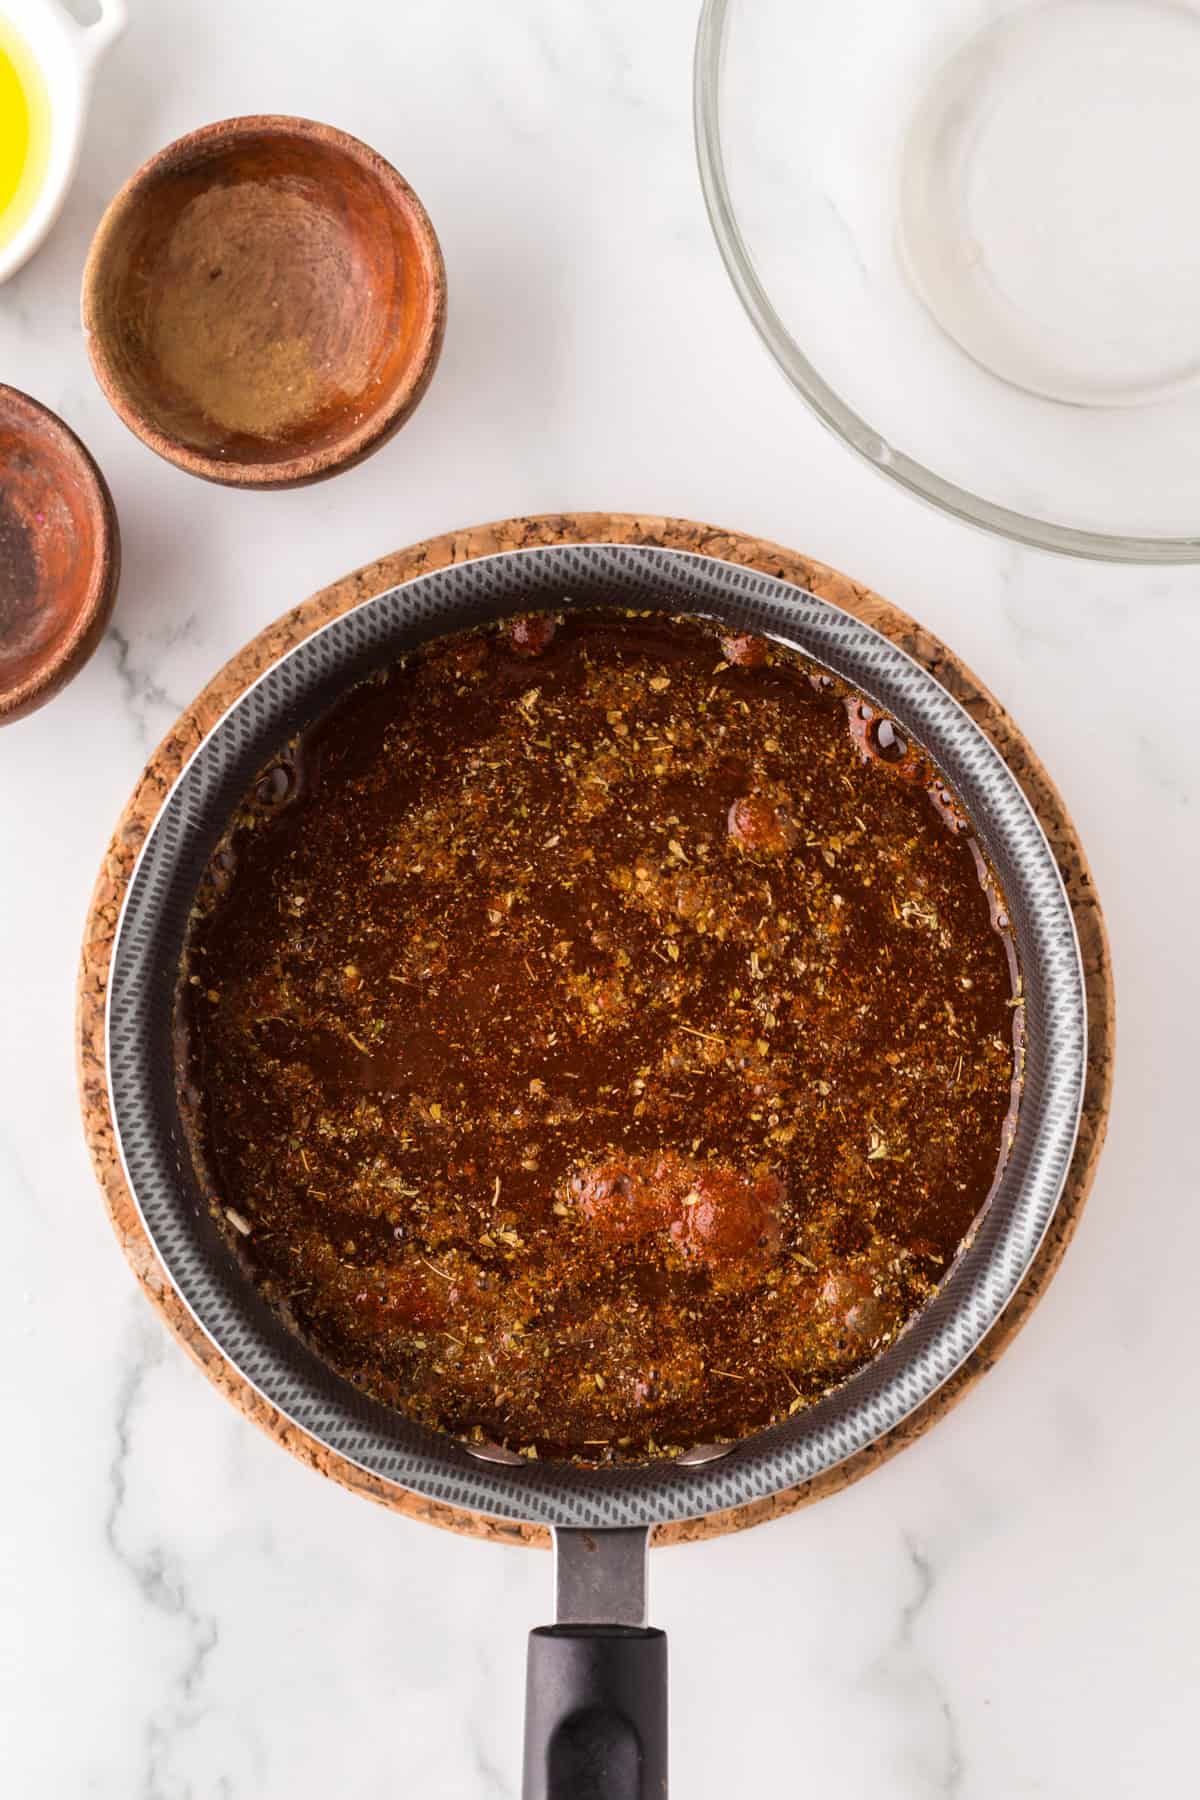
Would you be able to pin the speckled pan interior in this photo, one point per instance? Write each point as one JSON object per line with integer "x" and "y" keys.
{"x": 150, "y": 936}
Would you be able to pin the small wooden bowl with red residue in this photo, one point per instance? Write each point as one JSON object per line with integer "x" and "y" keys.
{"x": 264, "y": 302}
{"x": 60, "y": 554}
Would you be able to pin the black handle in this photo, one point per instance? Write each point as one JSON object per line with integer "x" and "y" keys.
{"x": 596, "y": 1713}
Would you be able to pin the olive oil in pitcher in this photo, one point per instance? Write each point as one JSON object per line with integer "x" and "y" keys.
{"x": 24, "y": 131}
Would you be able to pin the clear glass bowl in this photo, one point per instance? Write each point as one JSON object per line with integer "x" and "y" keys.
{"x": 965, "y": 229}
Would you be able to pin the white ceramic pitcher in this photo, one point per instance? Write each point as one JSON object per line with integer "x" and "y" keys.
{"x": 66, "y": 55}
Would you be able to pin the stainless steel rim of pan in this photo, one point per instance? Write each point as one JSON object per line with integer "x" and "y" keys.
{"x": 146, "y": 950}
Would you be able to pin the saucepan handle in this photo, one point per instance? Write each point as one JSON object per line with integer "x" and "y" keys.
{"x": 596, "y": 1713}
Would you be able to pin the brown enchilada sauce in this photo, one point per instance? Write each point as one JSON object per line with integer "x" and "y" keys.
{"x": 598, "y": 1035}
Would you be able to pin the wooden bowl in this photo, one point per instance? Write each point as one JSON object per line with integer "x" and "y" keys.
{"x": 60, "y": 554}
{"x": 264, "y": 302}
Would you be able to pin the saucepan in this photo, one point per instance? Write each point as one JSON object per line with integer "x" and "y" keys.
{"x": 596, "y": 1679}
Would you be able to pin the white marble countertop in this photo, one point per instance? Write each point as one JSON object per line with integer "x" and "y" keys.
{"x": 188, "y": 1614}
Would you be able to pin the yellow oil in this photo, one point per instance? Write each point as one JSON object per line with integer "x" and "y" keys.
{"x": 24, "y": 132}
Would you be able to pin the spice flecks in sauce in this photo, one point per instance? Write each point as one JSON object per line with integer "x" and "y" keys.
{"x": 602, "y": 1047}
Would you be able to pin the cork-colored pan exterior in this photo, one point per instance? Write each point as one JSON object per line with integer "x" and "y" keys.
{"x": 457, "y": 547}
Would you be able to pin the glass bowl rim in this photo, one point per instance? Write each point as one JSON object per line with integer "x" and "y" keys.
{"x": 824, "y": 401}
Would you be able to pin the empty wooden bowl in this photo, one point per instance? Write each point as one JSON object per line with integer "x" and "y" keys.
{"x": 60, "y": 554}
{"x": 264, "y": 302}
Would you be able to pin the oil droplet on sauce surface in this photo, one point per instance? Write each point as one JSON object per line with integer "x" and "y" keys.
{"x": 24, "y": 132}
